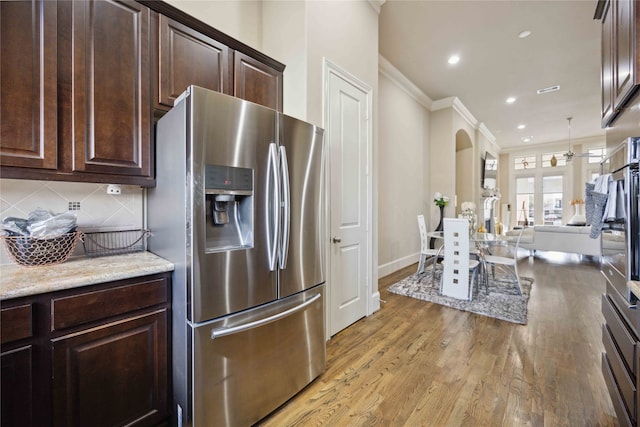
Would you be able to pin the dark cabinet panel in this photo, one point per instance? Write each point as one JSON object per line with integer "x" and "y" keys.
{"x": 111, "y": 88}
{"x": 15, "y": 323}
{"x": 113, "y": 374}
{"x": 625, "y": 40}
{"x": 620, "y": 59}
{"x": 606, "y": 70}
{"x": 257, "y": 82}
{"x": 187, "y": 57}
{"x": 17, "y": 392}
{"x": 28, "y": 125}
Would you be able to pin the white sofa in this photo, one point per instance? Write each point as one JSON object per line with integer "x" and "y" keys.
{"x": 559, "y": 238}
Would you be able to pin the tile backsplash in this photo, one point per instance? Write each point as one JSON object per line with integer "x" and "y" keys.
{"x": 94, "y": 208}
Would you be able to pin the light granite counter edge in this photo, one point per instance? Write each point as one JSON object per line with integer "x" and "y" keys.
{"x": 634, "y": 286}
{"x": 17, "y": 281}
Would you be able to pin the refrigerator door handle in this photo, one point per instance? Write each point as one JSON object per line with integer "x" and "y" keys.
{"x": 222, "y": 332}
{"x": 286, "y": 200}
{"x": 273, "y": 224}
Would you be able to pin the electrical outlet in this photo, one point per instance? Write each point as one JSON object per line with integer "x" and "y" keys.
{"x": 113, "y": 189}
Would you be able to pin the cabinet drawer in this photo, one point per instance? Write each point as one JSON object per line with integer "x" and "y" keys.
{"x": 619, "y": 371}
{"x": 616, "y": 398}
{"x": 15, "y": 323}
{"x": 623, "y": 338}
{"x": 91, "y": 306}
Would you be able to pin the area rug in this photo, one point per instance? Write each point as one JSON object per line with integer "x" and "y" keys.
{"x": 503, "y": 301}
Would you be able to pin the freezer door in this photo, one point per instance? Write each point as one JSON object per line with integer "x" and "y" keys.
{"x": 248, "y": 364}
{"x": 303, "y": 253}
{"x": 226, "y": 131}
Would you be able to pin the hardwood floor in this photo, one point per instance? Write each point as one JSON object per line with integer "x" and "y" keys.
{"x": 414, "y": 363}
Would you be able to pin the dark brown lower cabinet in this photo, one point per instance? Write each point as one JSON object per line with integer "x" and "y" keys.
{"x": 620, "y": 358}
{"x": 91, "y": 356}
{"x": 113, "y": 374}
{"x": 17, "y": 390}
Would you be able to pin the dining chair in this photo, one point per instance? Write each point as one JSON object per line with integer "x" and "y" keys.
{"x": 425, "y": 251}
{"x": 506, "y": 264}
{"x": 457, "y": 264}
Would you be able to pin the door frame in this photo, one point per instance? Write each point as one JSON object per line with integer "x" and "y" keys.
{"x": 373, "y": 297}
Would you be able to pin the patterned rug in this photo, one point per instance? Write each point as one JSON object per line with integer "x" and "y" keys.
{"x": 503, "y": 301}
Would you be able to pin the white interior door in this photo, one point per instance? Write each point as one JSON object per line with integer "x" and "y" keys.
{"x": 348, "y": 140}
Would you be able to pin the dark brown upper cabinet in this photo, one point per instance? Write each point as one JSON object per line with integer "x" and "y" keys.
{"x": 187, "y": 57}
{"x": 189, "y": 52}
{"x": 28, "y": 79}
{"x": 81, "y": 83}
{"x": 257, "y": 82}
{"x": 111, "y": 100}
{"x": 620, "y": 59}
{"x": 76, "y": 91}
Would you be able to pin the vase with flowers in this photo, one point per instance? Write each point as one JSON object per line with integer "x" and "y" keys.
{"x": 468, "y": 212}
{"x": 440, "y": 201}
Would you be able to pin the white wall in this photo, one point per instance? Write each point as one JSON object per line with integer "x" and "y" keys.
{"x": 402, "y": 191}
{"x": 241, "y": 20}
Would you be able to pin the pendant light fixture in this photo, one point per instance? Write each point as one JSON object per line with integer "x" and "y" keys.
{"x": 569, "y": 154}
{"x": 553, "y": 161}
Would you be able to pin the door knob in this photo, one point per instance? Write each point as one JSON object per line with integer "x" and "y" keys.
{"x": 337, "y": 240}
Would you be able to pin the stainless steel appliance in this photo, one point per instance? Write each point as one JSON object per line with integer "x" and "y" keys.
{"x": 238, "y": 207}
{"x": 620, "y": 236}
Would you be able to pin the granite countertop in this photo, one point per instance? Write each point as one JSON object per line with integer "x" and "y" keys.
{"x": 18, "y": 281}
{"x": 634, "y": 286}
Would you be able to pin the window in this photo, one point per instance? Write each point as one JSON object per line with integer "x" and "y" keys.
{"x": 525, "y": 192}
{"x": 596, "y": 154}
{"x": 552, "y": 200}
{"x": 524, "y": 162}
{"x": 560, "y": 158}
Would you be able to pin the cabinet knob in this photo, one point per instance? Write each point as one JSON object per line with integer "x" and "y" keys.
{"x": 336, "y": 240}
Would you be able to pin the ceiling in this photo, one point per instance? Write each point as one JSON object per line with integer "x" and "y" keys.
{"x": 418, "y": 37}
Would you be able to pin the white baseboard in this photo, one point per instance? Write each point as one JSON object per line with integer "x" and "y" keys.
{"x": 397, "y": 264}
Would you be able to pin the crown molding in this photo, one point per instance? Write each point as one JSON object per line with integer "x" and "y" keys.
{"x": 376, "y": 5}
{"x": 387, "y": 69}
{"x": 458, "y": 107}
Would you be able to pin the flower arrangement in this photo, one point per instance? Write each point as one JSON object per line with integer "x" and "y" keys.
{"x": 468, "y": 212}
{"x": 469, "y": 207}
{"x": 577, "y": 202}
{"x": 440, "y": 200}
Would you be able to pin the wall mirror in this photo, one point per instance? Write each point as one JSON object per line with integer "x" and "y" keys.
{"x": 489, "y": 171}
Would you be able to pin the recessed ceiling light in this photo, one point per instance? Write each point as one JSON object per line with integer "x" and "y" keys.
{"x": 527, "y": 138}
{"x": 510, "y": 100}
{"x": 522, "y": 126}
{"x": 453, "y": 59}
{"x": 524, "y": 34}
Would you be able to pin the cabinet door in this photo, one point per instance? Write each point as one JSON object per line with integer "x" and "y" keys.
{"x": 111, "y": 88}
{"x": 17, "y": 366}
{"x": 606, "y": 69}
{"x": 257, "y": 82}
{"x": 625, "y": 78}
{"x": 28, "y": 58}
{"x": 187, "y": 57}
{"x": 114, "y": 374}
{"x": 16, "y": 375}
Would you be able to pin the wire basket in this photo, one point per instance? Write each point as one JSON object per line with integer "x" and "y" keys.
{"x": 38, "y": 251}
{"x": 104, "y": 243}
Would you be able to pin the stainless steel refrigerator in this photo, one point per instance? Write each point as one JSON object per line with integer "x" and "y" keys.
{"x": 239, "y": 209}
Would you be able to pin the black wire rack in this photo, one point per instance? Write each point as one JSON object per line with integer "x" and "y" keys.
{"x": 104, "y": 243}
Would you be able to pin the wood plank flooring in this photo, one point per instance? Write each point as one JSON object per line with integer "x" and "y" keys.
{"x": 414, "y": 363}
